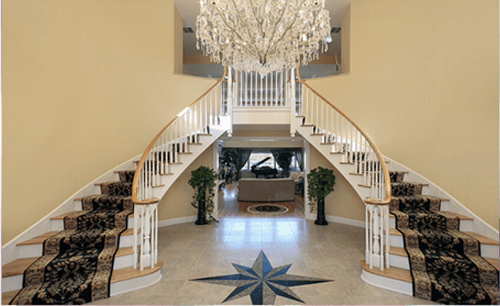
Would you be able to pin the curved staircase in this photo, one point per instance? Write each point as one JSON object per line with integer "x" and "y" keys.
{"x": 443, "y": 224}
{"x": 190, "y": 134}
{"x": 143, "y": 182}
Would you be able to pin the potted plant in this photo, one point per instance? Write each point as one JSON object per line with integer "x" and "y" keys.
{"x": 320, "y": 184}
{"x": 228, "y": 162}
{"x": 203, "y": 182}
{"x": 283, "y": 158}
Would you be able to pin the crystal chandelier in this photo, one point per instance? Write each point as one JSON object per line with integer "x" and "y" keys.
{"x": 263, "y": 35}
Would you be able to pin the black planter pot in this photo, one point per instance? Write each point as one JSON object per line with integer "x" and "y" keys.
{"x": 320, "y": 218}
{"x": 202, "y": 217}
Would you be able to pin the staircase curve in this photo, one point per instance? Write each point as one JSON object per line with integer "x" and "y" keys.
{"x": 180, "y": 142}
{"x": 146, "y": 181}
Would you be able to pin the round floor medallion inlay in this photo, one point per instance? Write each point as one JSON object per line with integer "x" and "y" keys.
{"x": 267, "y": 209}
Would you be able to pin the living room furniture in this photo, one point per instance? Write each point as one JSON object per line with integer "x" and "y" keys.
{"x": 266, "y": 190}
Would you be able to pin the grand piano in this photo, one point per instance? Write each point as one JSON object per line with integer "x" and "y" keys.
{"x": 264, "y": 170}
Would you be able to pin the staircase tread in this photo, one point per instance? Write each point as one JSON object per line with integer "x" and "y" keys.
{"x": 366, "y": 186}
{"x": 39, "y": 239}
{"x": 337, "y": 152}
{"x": 395, "y": 232}
{"x": 393, "y": 272}
{"x": 61, "y": 217}
{"x": 128, "y": 232}
{"x": 8, "y": 296}
{"x": 129, "y": 273}
{"x": 461, "y": 217}
{"x": 110, "y": 182}
{"x": 402, "y": 252}
{"x": 196, "y": 143}
{"x": 328, "y": 143}
{"x": 17, "y": 267}
{"x": 318, "y": 134}
{"x": 352, "y": 173}
{"x": 494, "y": 262}
{"x": 416, "y": 183}
{"x": 185, "y": 152}
{"x": 124, "y": 251}
{"x": 398, "y": 251}
{"x": 482, "y": 239}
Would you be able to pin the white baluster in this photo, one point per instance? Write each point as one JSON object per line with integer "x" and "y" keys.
{"x": 367, "y": 234}
{"x": 141, "y": 235}
{"x": 136, "y": 221}
{"x": 230, "y": 102}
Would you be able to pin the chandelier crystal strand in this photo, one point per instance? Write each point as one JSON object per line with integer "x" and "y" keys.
{"x": 262, "y": 35}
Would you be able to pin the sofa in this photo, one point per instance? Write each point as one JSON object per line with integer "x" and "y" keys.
{"x": 266, "y": 190}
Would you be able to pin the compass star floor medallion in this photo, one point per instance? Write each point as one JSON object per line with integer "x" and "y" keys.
{"x": 262, "y": 282}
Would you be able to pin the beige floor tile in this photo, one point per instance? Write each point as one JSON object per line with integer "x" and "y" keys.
{"x": 331, "y": 252}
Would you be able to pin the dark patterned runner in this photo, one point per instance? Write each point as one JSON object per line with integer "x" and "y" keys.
{"x": 76, "y": 264}
{"x": 445, "y": 263}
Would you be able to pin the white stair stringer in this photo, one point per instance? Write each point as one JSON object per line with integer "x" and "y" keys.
{"x": 335, "y": 159}
{"x": 45, "y": 225}
{"x": 477, "y": 225}
{"x": 12, "y": 251}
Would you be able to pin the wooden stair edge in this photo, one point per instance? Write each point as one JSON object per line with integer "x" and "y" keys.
{"x": 461, "y": 217}
{"x": 38, "y": 239}
{"x": 17, "y": 266}
{"x": 130, "y": 273}
{"x": 482, "y": 239}
{"x": 393, "y": 272}
{"x": 8, "y": 296}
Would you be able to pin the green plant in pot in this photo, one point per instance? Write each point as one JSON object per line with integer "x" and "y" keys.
{"x": 228, "y": 162}
{"x": 320, "y": 182}
{"x": 203, "y": 182}
{"x": 283, "y": 158}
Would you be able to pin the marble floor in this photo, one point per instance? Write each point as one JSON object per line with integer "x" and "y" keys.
{"x": 330, "y": 252}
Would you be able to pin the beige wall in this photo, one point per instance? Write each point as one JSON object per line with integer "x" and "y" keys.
{"x": 423, "y": 83}
{"x": 177, "y": 201}
{"x": 343, "y": 201}
{"x": 345, "y": 41}
{"x": 86, "y": 86}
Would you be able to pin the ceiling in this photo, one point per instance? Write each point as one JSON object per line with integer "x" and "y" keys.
{"x": 189, "y": 10}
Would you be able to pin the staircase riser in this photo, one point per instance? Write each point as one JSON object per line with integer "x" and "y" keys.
{"x": 36, "y": 250}
{"x": 16, "y": 282}
{"x": 135, "y": 283}
{"x": 399, "y": 262}
{"x": 123, "y": 262}
{"x": 387, "y": 283}
{"x": 12, "y": 283}
{"x": 489, "y": 251}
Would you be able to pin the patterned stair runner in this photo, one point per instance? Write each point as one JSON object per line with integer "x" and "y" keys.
{"x": 445, "y": 263}
{"x": 76, "y": 264}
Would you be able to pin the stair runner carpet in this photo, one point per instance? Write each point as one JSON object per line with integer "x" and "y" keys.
{"x": 445, "y": 263}
{"x": 76, "y": 264}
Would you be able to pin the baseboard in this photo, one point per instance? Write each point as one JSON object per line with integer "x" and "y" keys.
{"x": 347, "y": 221}
{"x": 174, "y": 221}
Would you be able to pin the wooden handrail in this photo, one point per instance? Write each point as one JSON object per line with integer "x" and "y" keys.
{"x": 387, "y": 177}
{"x": 140, "y": 165}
